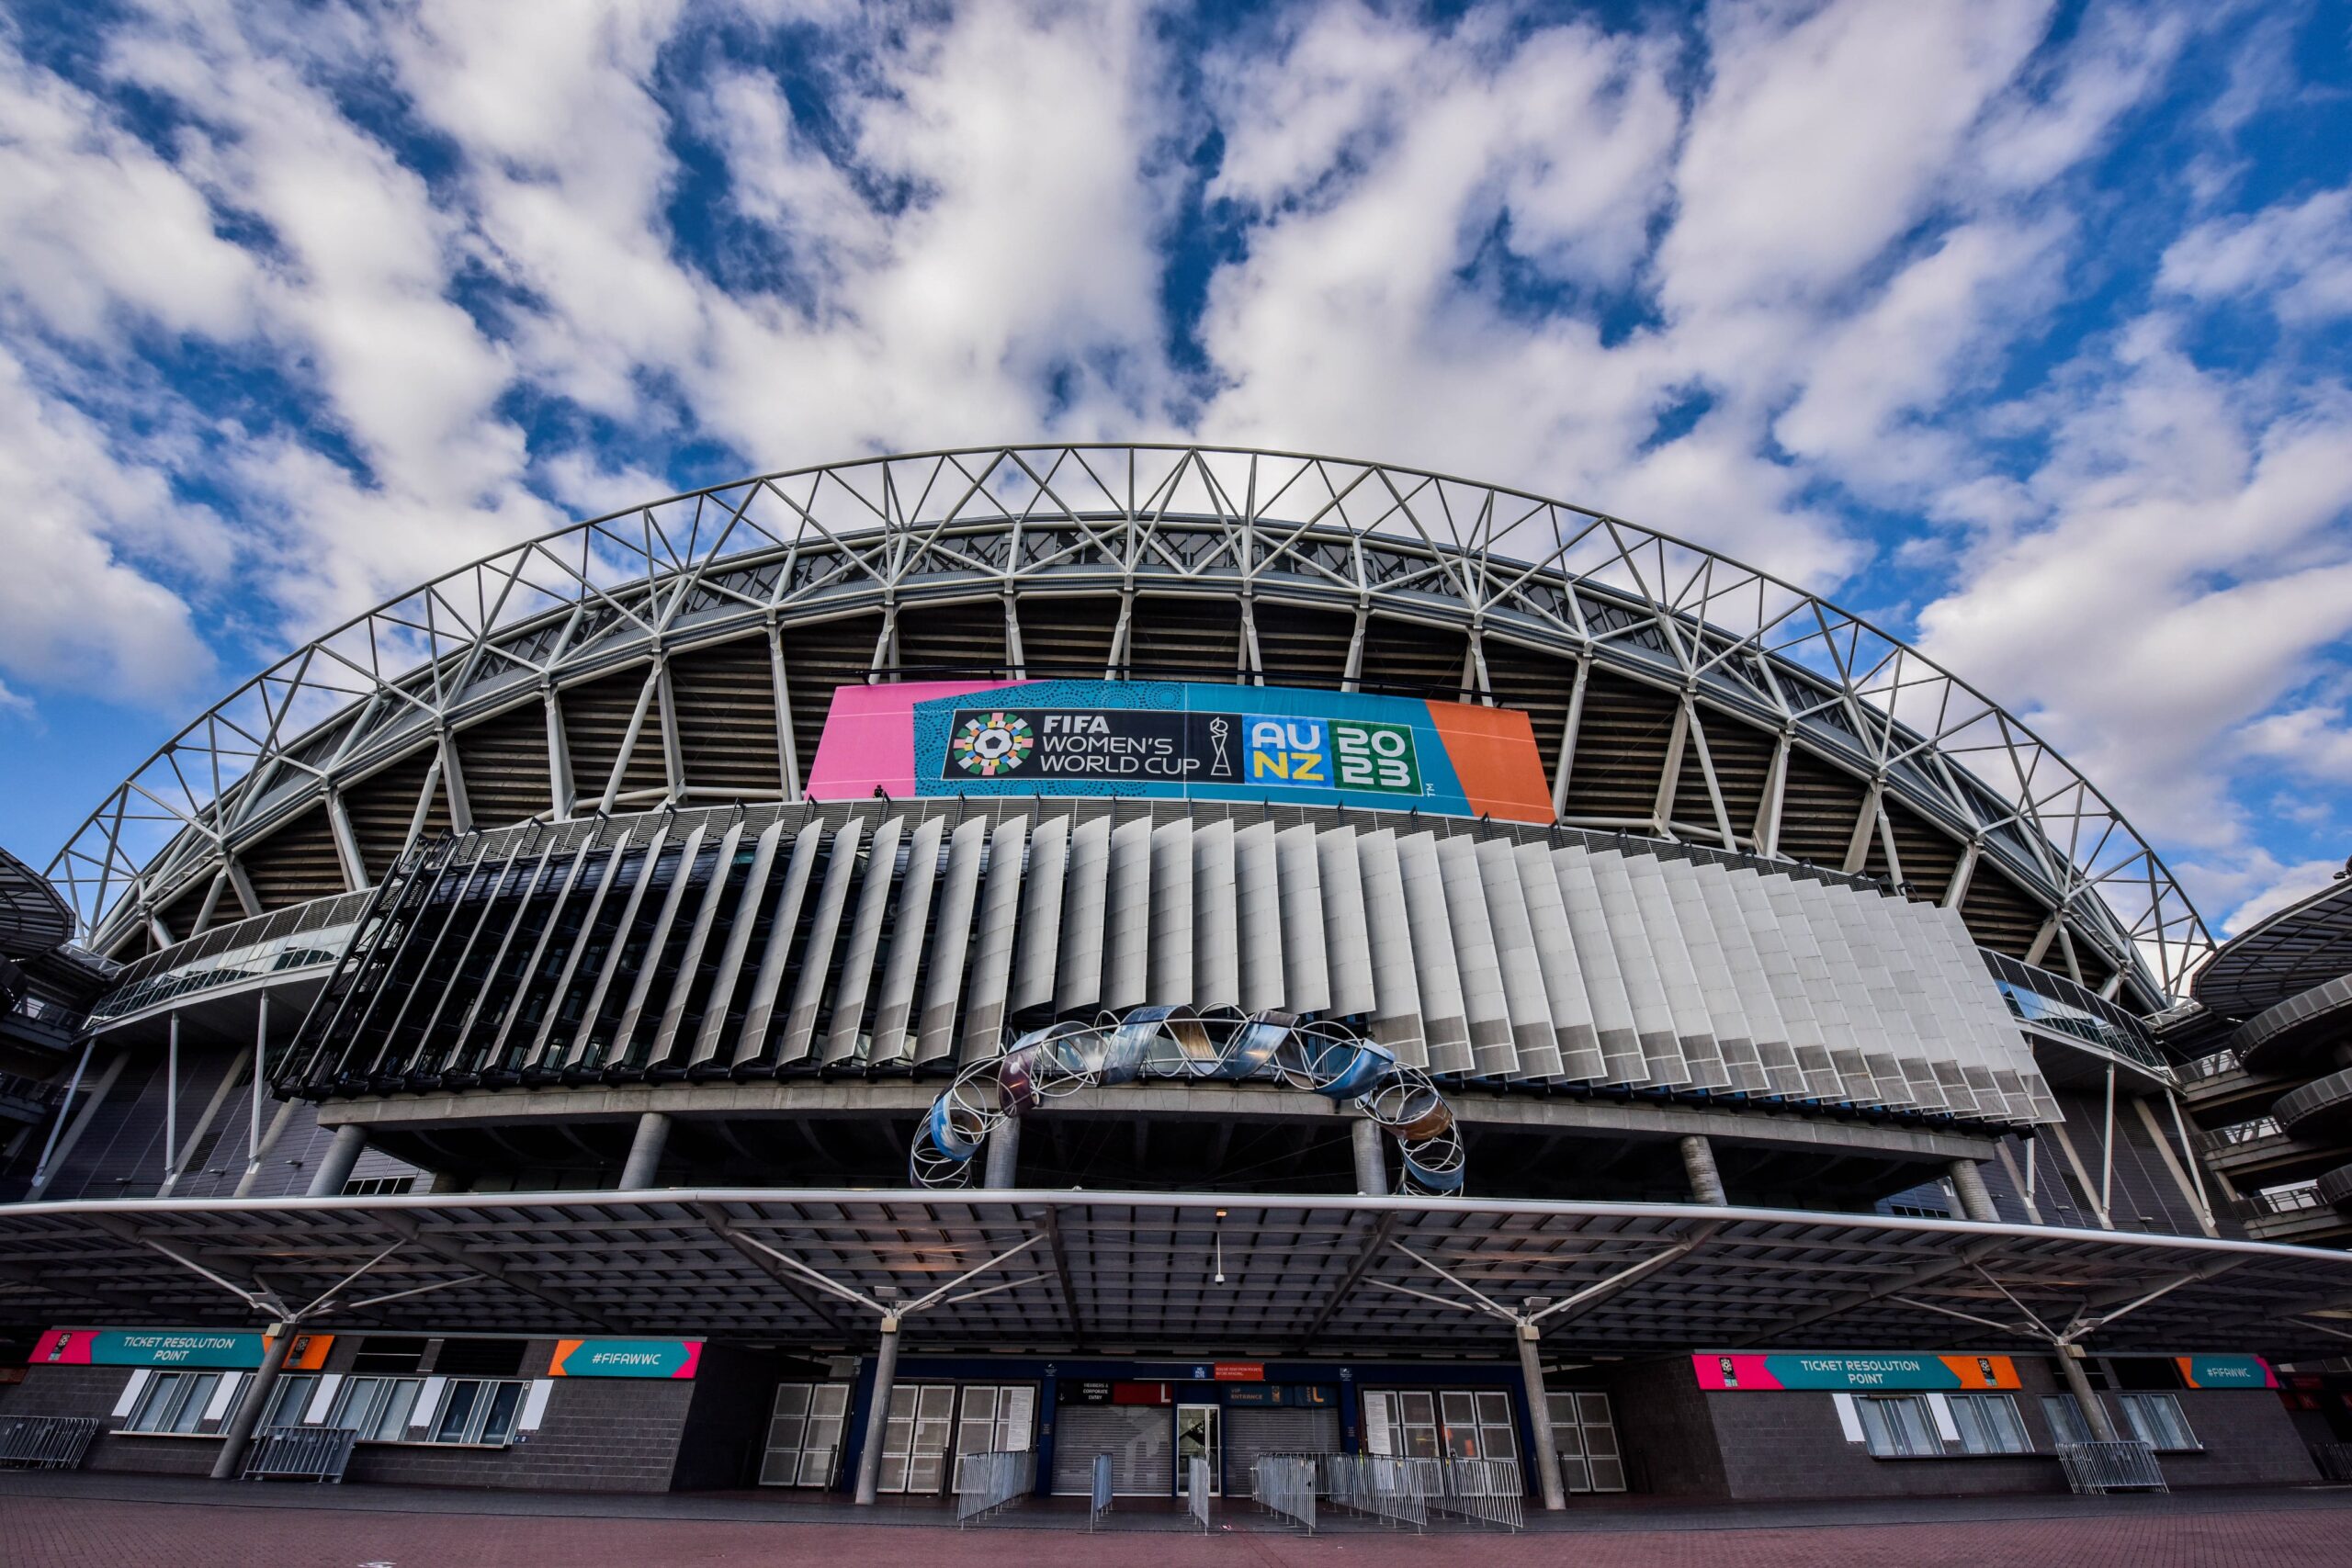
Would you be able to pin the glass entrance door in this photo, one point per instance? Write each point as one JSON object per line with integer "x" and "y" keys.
{"x": 1196, "y": 1438}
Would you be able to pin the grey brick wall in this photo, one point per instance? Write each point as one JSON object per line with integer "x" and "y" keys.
{"x": 598, "y": 1434}
{"x": 1664, "y": 1426}
{"x": 1790, "y": 1445}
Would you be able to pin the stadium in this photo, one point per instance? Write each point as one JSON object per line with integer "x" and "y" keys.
{"x": 919, "y": 976}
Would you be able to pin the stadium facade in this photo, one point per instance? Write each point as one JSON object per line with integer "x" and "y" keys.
{"x": 1141, "y": 951}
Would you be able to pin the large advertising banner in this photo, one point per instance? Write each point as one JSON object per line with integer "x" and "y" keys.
{"x": 1170, "y": 739}
{"x": 227, "y": 1347}
{"x": 1731, "y": 1372}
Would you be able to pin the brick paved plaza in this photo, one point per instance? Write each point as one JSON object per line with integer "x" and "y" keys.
{"x": 88, "y": 1522}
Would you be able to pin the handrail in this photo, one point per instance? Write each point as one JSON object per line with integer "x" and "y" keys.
{"x": 2202, "y": 1067}
{"x": 2259, "y": 1130}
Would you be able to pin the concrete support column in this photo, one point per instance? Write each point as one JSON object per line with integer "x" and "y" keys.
{"x": 247, "y": 1415}
{"x": 2070, "y": 1367}
{"x": 645, "y": 1152}
{"x": 350, "y": 1141}
{"x": 877, "y": 1413}
{"x": 1004, "y": 1155}
{"x": 1371, "y": 1161}
{"x": 1975, "y": 1202}
{"x": 1539, "y": 1416}
{"x": 1699, "y": 1162}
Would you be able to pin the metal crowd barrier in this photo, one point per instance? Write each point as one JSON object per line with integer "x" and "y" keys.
{"x": 1488, "y": 1491}
{"x": 1196, "y": 1489}
{"x": 46, "y": 1442}
{"x": 2112, "y": 1467}
{"x": 1286, "y": 1485}
{"x": 1393, "y": 1489}
{"x": 1099, "y": 1503}
{"x": 2334, "y": 1461}
{"x": 988, "y": 1481}
{"x": 300, "y": 1453}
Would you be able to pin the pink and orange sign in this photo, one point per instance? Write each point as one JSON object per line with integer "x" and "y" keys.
{"x": 1181, "y": 740}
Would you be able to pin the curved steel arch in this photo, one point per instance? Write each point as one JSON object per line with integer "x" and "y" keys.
{"x": 1221, "y": 1044}
{"x": 877, "y": 531}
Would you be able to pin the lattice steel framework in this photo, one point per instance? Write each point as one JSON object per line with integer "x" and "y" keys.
{"x": 1019, "y": 524}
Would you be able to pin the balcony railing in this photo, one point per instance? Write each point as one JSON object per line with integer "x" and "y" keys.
{"x": 2211, "y": 1067}
{"x": 2281, "y": 1200}
{"x": 2060, "y": 1006}
{"x": 2223, "y": 1139}
{"x": 43, "y": 1015}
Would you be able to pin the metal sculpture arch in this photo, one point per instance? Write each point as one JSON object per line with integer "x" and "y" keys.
{"x": 1221, "y": 1044}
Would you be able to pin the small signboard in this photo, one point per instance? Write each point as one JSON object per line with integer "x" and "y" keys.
{"x": 1075, "y": 1392}
{"x": 1293, "y": 1394}
{"x": 1141, "y": 1393}
{"x": 625, "y": 1359}
{"x": 1238, "y": 1371}
{"x": 2225, "y": 1371}
{"x": 230, "y": 1348}
{"x": 1725, "y": 1371}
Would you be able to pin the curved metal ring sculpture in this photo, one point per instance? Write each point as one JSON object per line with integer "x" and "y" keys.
{"x": 1177, "y": 1043}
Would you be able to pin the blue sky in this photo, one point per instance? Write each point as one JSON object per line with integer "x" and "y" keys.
{"x": 2023, "y": 327}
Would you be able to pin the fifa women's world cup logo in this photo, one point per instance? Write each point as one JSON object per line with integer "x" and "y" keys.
{"x": 997, "y": 744}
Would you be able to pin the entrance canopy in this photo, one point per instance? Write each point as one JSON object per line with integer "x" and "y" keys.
{"x": 1109, "y": 1273}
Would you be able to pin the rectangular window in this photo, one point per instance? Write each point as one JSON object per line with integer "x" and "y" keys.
{"x": 173, "y": 1401}
{"x": 290, "y": 1399}
{"x": 377, "y": 1408}
{"x": 1456, "y": 1423}
{"x": 1896, "y": 1425}
{"x": 2066, "y": 1418}
{"x": 2155, "y": 1419}
{"x": 1987, "y": 1423}
{"x": 477, "y": 1410}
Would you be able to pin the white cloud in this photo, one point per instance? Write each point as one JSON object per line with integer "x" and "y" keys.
{"x": 1813, "y": 239}
{"x": 2296, "y": 255}
{"x": 2253, "y": 887}
{"x": 2311, "y": 742}
{"x": 73, "y": 612}
{"x": 1824, "y": 134}
{"x": 99, "y": 232}
{"x": 2190, "y": 562}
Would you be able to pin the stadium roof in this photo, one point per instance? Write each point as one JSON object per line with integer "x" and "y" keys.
{"x": 874, "y": 534}
{"x": 2303, "y": 946}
